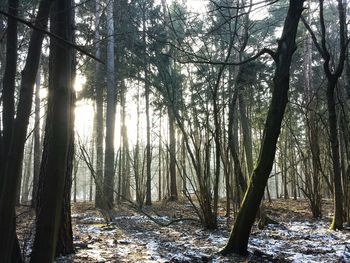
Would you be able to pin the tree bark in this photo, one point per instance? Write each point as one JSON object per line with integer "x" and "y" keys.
{"x": 53, "y": 173}
{"x": 172, "y": 152}
{"x": 8, "y": 91}
{"x": 37, "y": 142}
{"x": 15, "y": 154}
{"x": 238, "y": 241}
{"x": 148, "y": 123}
{"x": 108, "y": 180}
{"x": 99, "y": 114}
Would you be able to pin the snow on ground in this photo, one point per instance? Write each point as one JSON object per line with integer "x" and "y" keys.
{"x": 135, "y": 238}
{"x": 304, "y": 242}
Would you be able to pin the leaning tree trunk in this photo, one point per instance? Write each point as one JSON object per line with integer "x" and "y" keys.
{"x": 238, "y": 241}
{"x": 15, "y": 154}
{"x": 57, "y": 137}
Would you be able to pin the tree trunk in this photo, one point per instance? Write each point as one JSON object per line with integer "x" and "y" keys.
{"x": 148, "y": 123}
{"x": 172, "y": 152}
{"x": 37, "y": 142}
{"x": 337, "y": 222}
{"x": 108, "y": 180}
{"x": 26, "y": 174}
{"x": 247, "y": 136}
{"x": 65, "y": 234}
{"x": 160, "y": 158}
{"x": 15, "y": 154}
{"x": 58, "y": 138}
{"x": 238, "y": 241}
{"x": 99, "y": 114}
{"x": 8, "y": 91}
{"x": 312, "y": 126}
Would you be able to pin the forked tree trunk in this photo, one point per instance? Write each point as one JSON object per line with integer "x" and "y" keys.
{"x": 238, "y": 241}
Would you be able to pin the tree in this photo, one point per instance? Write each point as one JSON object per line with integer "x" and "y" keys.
{"x": 99, "y": 112}
{"x": 58, "y": 135}
{"x": 238, "y": 240}
{"x": 333, "y": 72}
{"x": 37, "y": 141}
{"x": 12, "y": 168}
{"x": 108, "y": 180}
{"x": 8, "y": 92}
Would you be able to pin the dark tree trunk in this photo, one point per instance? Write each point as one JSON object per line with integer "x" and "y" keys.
{"x": 172, "y": 152}
{"x": 238, "y": 241}
{"x": 65, "y": 234}
{"x": 53, "y": 173}
{"x": 15, "y": 154}
{"x": 241, "y": 184}
{"x": 8, "y": 92}
{"x": 99, "y": 114}
{"x": 337, "y": 222}
{"x": 333, "y": 71}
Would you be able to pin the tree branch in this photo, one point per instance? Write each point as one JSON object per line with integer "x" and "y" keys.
{"x": 313, "y": 36}
{"x": 227, "y": 63}
{"x": 31, "y": 25}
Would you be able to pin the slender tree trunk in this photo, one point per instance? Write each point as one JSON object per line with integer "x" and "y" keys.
{"x": 337, "y": 222}
{"x": 172, "y": 154}
{"x": 238, "y": 241}
{"x": 312, "y": 127}
{"x": 37, "y": 141}
{"x": 247, "y": 136}
{"x": 27, "y": 173}
{"x": 99, "y": 113}
{"x": 160, "y": 158}
{"x": 108, "y": 180}
{"x": 148, "y": 122}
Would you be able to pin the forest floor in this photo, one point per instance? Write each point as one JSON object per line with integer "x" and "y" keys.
{"x": 133, "y": 237}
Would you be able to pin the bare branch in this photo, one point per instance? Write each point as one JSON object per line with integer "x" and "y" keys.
{"x": 31, "y": 25}
{"x": 227, "y": 63}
